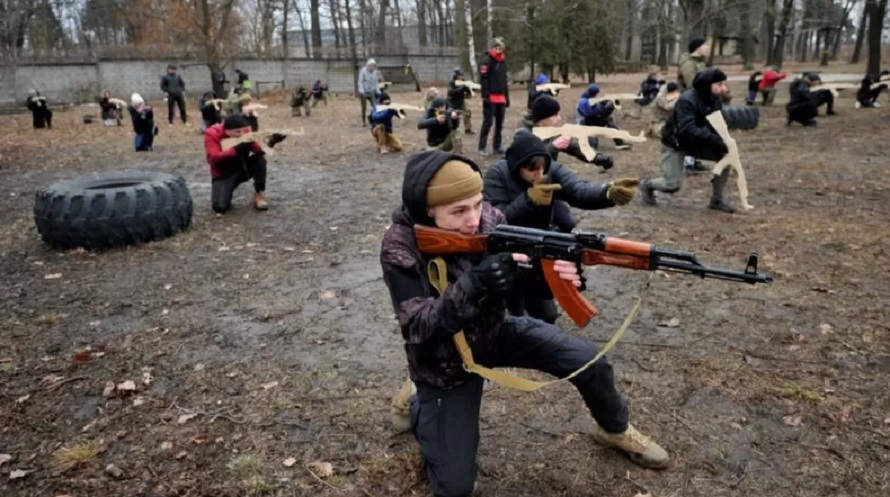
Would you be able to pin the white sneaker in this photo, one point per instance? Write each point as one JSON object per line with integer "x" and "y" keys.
{"x": 858, "y": 105}
{"x": 876, "y": 105}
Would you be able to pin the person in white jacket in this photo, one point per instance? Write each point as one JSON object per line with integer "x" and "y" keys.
{"x": 368, "y": 87}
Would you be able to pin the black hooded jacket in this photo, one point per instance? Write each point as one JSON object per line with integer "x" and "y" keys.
{"x": 437, "y": 132}
{"x": 687, "y": 127}
{"x": 428, "y": 320}
{"x": 457, "y": 94}
{"x": 507, "y": 190}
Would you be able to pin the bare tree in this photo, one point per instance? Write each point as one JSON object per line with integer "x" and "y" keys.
{"x": 315, "y": 19}
{"x": 877, "y": 10}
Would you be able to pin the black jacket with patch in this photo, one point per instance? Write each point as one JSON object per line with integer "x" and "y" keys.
{"x": 437, "y": 132}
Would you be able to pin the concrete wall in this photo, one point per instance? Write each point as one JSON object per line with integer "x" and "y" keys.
{"x": 80, "y": 82}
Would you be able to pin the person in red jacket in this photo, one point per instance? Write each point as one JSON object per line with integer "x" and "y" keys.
{"x": 495, "y": 95}
{"x": 768, "y": 82}
{"x": 229, "y": 168}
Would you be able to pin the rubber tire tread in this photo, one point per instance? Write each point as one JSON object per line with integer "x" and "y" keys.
{"x": 747, "y": 117}
{"x": 83, "y": 212}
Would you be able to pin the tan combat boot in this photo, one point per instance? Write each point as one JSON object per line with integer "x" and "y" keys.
{"x": 640, "y": 448}
{"x": 259, "y": 201}
{"x": 401, "y": 407}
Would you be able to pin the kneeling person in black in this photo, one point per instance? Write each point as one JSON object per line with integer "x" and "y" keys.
{"x": 229, "y": 168}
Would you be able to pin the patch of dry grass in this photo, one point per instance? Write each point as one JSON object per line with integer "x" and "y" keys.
{"x": 69, "y": 457}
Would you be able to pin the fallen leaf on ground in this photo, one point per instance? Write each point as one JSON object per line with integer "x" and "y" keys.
{"x": 18, "y": 473}
{"x": 825, "y": 328}
{"x": 670, "y": 323}
{"x": 321, "y": 469}
{"x": 199, "y": 367}
{"x": 847, "y": 414}
{"x": 127, "y": 386}
{"x": 271, "y": 384}
{"x": 290, "y": 461}
{"x": 4, "y": 458}
{"x": 647, "y": 494}
{"x": 793, "y": 420}
{"x": 109, "y": 389}
{"x": 181, "y": 455}
{"x": 185, "y": 418}
{"x": 138, "y": 401}
{"x": 166, "y": 445}
{"x": 23, "y": 398}
{"x": 53, "y": 276}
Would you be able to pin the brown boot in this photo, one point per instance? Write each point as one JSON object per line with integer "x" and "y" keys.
{"x": 259, "y": 201}
{"x": 640, "y": 448}
{"x": 401, "y": 407}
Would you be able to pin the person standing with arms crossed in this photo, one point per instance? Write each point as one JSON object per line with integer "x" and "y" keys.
{"x": 495, "y": 95}
{"x": 173, "y": 85}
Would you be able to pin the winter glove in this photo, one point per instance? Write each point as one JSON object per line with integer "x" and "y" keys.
{"x": 609, "y": 105}
{"x": 541, "y": 194}
{"x": 275, "y": 139}
{"x": 243, "y": 149}
{"x": 495, "y": 276}
{"x": 721, "y": 147}
{"x": 622, "y": 191}
{"x": 603, "y": 160}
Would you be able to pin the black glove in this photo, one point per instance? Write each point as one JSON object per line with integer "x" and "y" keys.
{"x": 721, "y": 147}
{"x": 603, "y": 160}
{"x": 243, "y": 149}
{"x": 610, "y": 105}
{"x": 494, "y": 276}
{"x": 661, "y": 82}
{"x": 275, "y": 139}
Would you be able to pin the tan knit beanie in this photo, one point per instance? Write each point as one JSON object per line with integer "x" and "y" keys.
{"x": 454, "y": 181}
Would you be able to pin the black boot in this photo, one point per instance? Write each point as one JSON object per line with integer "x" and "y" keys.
{"x": 718, "y": 202}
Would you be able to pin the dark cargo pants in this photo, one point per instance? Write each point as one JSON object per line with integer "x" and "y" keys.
{"x": 446, "y": 422}
{"x": 238, "y": 171}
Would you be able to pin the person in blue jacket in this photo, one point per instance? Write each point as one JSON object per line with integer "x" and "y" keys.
{"x": 142, "y": 116}
{"x": 592, "y": 113}
{"x": 381, "y": 125}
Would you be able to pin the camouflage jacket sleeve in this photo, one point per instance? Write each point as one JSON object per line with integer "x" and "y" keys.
{"x": 422, "y": 316}
{"x": 687, "y": 73}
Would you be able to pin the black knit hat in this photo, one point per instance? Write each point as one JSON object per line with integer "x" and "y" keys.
{"x": 235, "y": 121}
{"x": 695, "y": 43}
{"x": 543, "y": 107}
{"x": 524, "y": 148}
{"x": 672, "y": 86}
{"x": 438, "y": 102}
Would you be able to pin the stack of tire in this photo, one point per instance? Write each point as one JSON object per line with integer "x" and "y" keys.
{"x": 115, "y": 209}
{"x": 747, "y": 117}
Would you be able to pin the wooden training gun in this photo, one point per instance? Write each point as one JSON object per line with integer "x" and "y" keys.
{"x": 590, "y": 249}
{"x": 731, "y": 159}
{"x": 616, "y": 99}
{"x": 267, "y": 139}
{"x": 469, "y": 85}
{"x": 400, "y": 109}
{"x": 552, "y": 88}
{"x": 582, "y": 133}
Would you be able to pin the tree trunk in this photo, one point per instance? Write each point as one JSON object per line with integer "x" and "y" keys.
{"x": 316, "y": 28}
{"x": 335, "y": 25}
{"x": 441, "y": 24}
{"x": 380, "y": 36}
{"x": 421, "y": 22}
{"x": 460, "y": 28}
{"x": 877, "y": 9}
{"x": 352, "y": 44}
{"x": 779, "y": 51}
{"x": 747, "y": 38}
{"x": 400, "y": 42}
{"x": 769, "y": 24}
{"x": 284, "y": 47}
{"x": 860, "y": 36}
{"x": 362, "y": 26}
{"x": 217, "y": 76}
{"x": 694, "y": 18}
{"x": 471, "y": 42}
{"x": 488, "y": 11}
{"x": 629, "y": 41}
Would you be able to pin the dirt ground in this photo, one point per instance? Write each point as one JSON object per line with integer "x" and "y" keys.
{"x": 255, "y": 337}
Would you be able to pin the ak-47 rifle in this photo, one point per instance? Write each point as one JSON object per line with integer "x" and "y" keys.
{"x": 616, "y": 99}
{"x": 582, "y": 133}
{"x": 731, "y": 159}
{"x": 118, "y": 103}
{"x": 469, "y": 85}
{"x": 252, "y": 107}
{"x": 264, "y": 138}
{"x": 400, "y": 109}
{"x": 552, "y": 88}
{"x": 589, "y": 249}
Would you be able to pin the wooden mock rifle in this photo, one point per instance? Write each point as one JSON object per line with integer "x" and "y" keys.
{"x": 731, "y": 159}
{"x": 582, "y": 133}
{"x": 264, "y": 138}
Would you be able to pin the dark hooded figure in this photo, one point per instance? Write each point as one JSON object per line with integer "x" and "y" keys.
{"x": 687, "y": 132}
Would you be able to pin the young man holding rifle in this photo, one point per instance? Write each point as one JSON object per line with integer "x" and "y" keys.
{"x": 445, "y": 190}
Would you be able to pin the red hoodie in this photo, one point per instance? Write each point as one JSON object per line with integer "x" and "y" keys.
{"x": 213, "y": 137}
{"x": 769, "y": 80}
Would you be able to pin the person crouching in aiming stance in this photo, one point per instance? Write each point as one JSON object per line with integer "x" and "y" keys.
{"x": 534, "y": 191}
{"x": 229, "y": 168}
{"x": 545, "y": 113}
{"x": 687, "y": 132}
{"x": 143, "y": 119}
{"x": 445, "y": 190}
{"x": 381, "y": 126}
{"x": 42, "y": 116}
{"x": 441, "y": 124}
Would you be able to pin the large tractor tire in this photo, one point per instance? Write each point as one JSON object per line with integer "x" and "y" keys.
{"x": 107, "y": 210}
{"x": 747, "y": 117}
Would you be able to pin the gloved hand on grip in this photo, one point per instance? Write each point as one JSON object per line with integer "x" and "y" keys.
{"x": 493, "y": 276}
{"x": 243, "y": 149}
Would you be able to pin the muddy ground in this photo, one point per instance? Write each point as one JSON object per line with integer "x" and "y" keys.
{"x": 258, "y": 337}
